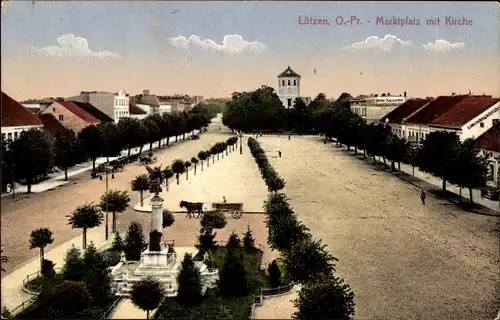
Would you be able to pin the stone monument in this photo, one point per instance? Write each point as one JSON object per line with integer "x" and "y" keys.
{"x": 157, "y": 253}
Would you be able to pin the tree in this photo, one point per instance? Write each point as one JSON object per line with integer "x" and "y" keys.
{"x": 70, "y": 296}
{"x": 206, "y": 242}
{"x": 178, "y": 168}
{"x": 327, "y": 298}
{"x": 7, "y": 164}
{"x": 67, "y": 152}
{"x": 141, "y": 184}
{"x": 298, "y": 261}
{"x": 194, "y": 161}
{"x": 167, "y": 174}
{"x": 133, "y": 133}
{"x": 96, "y": 274}
{"x": 208, "y": 153}
{"x": 147, "y": 294}
{"x": 117, "y": 243}
{"x": 189, "y": 281}
{"x": 41, "y": 238}
{"x": 213, "y": 220}
{"x": 32, "y": 154}
{"x": 248, "y": 240}
{"x": 168, "y": 218}
{"x": 134, "y": 242}
{"x": 114, "y": 201}
{"x": 274, "y": 274}
{"x": 73, "y": 265}
{"x": 4, "y": 259}
{"x": 469, "y": 169}
{"x": 437, "y": 153}
{"x": 112, "y": 142}
{"x": 233, "y": 277}
{"x": 233, "y": 242}
{"x": 85, "y": 217}
{"x": 187, "y": 164}
{"x": 153, "y": 132}
{"x": 91, "y": 140}
{"x": 202, "y": 155}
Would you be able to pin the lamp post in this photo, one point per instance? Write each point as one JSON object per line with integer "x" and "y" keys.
{"x": 241, "y": 146}
{"x": 106, "y": 209}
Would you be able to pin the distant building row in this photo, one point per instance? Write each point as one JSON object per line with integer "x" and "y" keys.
{"x": 88, "y": 108}
{"x": 469, "y": 116}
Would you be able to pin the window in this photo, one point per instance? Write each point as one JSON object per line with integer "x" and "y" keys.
{"x": 53, "y": 109}
{"x": 15, "y": 135}
{"x": 3, "y": 135}
{"x": 481, "y": 124}
{"x": 289, "y": 101}
{"x": 289, "y": 82}
{"x": 495, "y": 121}
{"x": 61, "y": 117}
{"x": 294, "y": 82}
{"x": 9, "y": 135}
{"x": 283, "y": 82}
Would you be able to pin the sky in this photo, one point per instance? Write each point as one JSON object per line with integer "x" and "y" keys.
{"x": 216, "y": 48}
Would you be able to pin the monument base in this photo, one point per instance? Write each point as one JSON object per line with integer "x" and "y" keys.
{"x": 155, "y": 258}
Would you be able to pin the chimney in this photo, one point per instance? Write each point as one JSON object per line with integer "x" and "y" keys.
{"x": 404, "y": 94}
{"x": 145, "y": 92}
{"x": 382, "y": 95}
{"x": 375, "y": 95}
{"x": 453, "y": 93}
{"x": 388, "y": 94}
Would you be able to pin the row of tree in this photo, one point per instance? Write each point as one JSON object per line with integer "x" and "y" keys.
{"x": 441, "y": 153}
{"x": 323, "y": 294}
{"x": 272, "y": 179}
{"x": 35, "y": 151}
{"x": 141, "y": 182}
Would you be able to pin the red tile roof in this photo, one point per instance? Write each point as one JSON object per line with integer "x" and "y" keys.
{"x": 490, "y": 140}
{"x": 464, "y": 111}
{"x": 435, "y": 109}
{"x": 101, "y": 116}
{"x": 79, "y": 112}
{"x": 133, "y": 109}
{"x": 15, "y": 115}
{"x": 53, "y": 126}
{"x": 406, "y": 109}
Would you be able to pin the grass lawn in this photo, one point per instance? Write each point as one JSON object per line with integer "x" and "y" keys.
{"x": 239, "y": 307}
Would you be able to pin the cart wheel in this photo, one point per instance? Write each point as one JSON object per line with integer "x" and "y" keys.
{"x": 236, "y": 214}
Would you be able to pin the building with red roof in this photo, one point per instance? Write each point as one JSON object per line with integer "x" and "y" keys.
{"x": 469, "y": 118}
{"x": 136, "y": 112}
{"x": 53, "y": 126}
{"x": 16, "y": 118}
{"x": 396, "y": 118}
{"x": 70, "y": 115}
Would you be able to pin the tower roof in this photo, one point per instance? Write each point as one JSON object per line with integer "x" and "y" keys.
{"x": 289, "y": 73}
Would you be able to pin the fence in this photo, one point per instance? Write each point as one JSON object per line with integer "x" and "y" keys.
{"x": 111, "y": 310}
{"x": 35, "y": 292}
{"x": 257, "y": 300}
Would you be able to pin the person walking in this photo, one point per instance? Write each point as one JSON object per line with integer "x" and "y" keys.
{"x": 224, "y": 199}
{"x": 279, "y": 153}
{"x": 423, "y": 196}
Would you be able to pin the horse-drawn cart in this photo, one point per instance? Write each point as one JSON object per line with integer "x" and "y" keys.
{"x": 235, "y": 209}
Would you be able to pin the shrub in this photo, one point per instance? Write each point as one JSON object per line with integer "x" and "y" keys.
{"x": 248, "y": 240}
{"x": 134, "y": 242}
{"x": 112, "y": 257}
{"x": 233, "y": 277}
{"x": 274, "y": 274}
{"x": 117, "y": 243}
{"x": 189, "y": 280}
{"x": 233, "y": 242}
{"x": 70, "y": 296}
{"x": 213, "y": 220}
{"x": 73, "y": 265}
{"x": 48, "y": 269}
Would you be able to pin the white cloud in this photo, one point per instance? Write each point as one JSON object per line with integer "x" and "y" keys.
{"x": 374, "y": 43}
{"x": 232, "y": 43}
{"x": 71, "y": 46}
{"x": 441, "y": 45}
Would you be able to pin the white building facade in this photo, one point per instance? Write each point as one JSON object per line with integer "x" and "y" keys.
{"x": 288, "y": 87}
{"x": 372, "y": 109}
{"x": 115, "y": 105}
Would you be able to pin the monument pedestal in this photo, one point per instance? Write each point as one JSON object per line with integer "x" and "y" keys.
{"x": 155, "y": 258}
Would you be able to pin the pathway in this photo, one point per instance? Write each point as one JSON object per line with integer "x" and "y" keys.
{"x": 127, "y": 310}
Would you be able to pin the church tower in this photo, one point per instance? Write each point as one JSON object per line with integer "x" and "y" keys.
{"x": 288, "y": 87}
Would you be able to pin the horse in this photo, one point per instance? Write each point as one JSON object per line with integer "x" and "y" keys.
{"x": 192, "y": 207}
